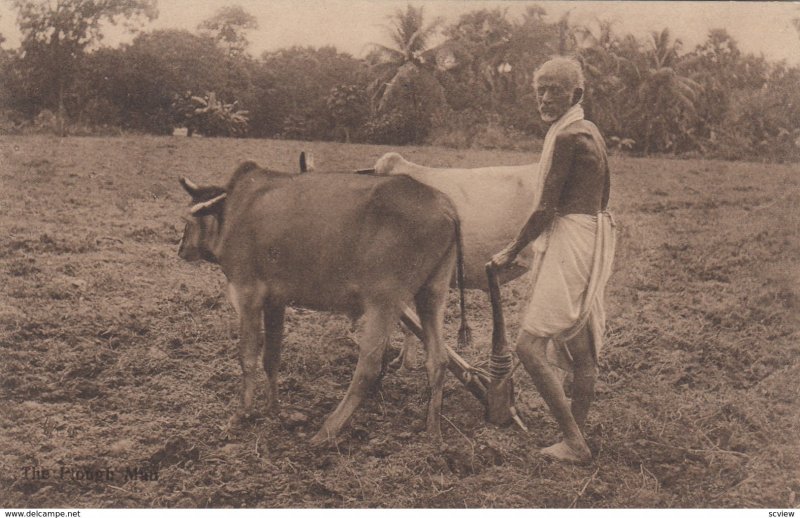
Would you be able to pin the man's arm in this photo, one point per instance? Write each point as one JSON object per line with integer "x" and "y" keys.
{"x": 545, "y": 213}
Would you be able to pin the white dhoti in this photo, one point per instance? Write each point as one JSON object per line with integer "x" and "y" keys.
{"x": 568, "y": 279}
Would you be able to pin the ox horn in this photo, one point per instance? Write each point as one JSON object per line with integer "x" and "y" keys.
{"x": 306, "y": 162}
{"x": 189, "y": 185}
{"x": 206, "y": 205}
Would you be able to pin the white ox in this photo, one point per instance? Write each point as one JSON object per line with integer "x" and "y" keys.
{"x": 492, "y": 202}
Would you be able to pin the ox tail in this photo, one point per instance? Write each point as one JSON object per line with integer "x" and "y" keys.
{"x": 464, "y": 332}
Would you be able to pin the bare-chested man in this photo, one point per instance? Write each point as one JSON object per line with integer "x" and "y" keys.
{"x": 573, "y": 236}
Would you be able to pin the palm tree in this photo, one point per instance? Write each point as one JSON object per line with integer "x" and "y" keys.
{"x": 403, "y": 63}
{"x": 404, "y": 80}
{"x": 479, "y": 43}
{"x": 566, "y": 36}
{"x": 666, "y": 98}
{"x": 598, "y": 49}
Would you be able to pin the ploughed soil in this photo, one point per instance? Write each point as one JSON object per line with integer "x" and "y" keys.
{"x": 119, "y": 361}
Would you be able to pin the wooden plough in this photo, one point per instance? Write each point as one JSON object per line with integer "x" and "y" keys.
{"x": 493, "y": 386}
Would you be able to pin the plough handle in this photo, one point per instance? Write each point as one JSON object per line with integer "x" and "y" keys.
{"x": 500, "y": 391}
{"x": 499, "y": 343}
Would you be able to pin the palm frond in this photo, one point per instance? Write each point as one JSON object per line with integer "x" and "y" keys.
{"x": 393, "y": 54}
{"x": 405, "y": 74}
{"x": 419, "y": 39}
{"x": 684, "y": 101}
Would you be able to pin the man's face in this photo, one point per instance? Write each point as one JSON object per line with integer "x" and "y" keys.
{"x": 554, "y": 97}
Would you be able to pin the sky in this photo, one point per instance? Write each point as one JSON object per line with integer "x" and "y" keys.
{"x": 351, "y": 25}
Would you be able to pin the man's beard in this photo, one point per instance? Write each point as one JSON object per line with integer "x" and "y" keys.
{"x": 548, "y": 117}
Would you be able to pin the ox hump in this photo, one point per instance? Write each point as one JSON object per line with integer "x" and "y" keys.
{"x": 246, "y": 167}
{"x": 388, "y": 162}
{"x": 394, "y": 163}
{"x": 243, "y": 169}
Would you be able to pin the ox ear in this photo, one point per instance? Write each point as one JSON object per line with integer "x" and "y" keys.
{"x": 208, "y": 207}
{"x": 189, "y": 186}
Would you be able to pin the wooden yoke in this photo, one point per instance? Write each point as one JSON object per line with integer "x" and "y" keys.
{"x": 500, "y": 392}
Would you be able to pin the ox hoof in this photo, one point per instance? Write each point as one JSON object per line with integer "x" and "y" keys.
{"x": 396, "y": 363}
{"x": 403, "y": 362}
{"x": 273, "y": 409}
{"x": 565, "y": 453}
{"x": 234, "y": 422}
{"x": 435, "y": 437}
{"x": 322, "y": 438}
{"x": 239, "y": 418}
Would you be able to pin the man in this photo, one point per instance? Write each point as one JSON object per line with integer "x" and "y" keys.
{"x": 574, "y": 243}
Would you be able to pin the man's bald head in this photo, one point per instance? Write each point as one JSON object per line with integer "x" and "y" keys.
{"x": 559, "y": 85}
{"x": 565, "y": 70}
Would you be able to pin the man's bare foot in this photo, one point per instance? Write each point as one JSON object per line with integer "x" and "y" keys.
{"x": 566, "y": 453}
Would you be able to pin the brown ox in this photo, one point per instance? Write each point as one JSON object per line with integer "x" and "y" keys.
{"x": 493, "y": 203}
{"x": 346, "y": 243}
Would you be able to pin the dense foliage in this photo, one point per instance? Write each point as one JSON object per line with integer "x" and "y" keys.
{"x": 648, "y": 95}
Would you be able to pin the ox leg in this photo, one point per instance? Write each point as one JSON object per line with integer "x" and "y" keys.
{"x": 430, "y": 307}
{"x": 249, "y": 349}
{"x": 273, "y": 327}
{"x": 407, "y": 358}
{"x": 409, "y": 352}
{"x": 379, "y": 322}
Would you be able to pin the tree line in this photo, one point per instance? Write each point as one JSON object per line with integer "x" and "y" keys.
{"x": 469, "y": 88}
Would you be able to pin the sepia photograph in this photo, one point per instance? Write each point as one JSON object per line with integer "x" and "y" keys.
{"x": 403, "y": 255}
